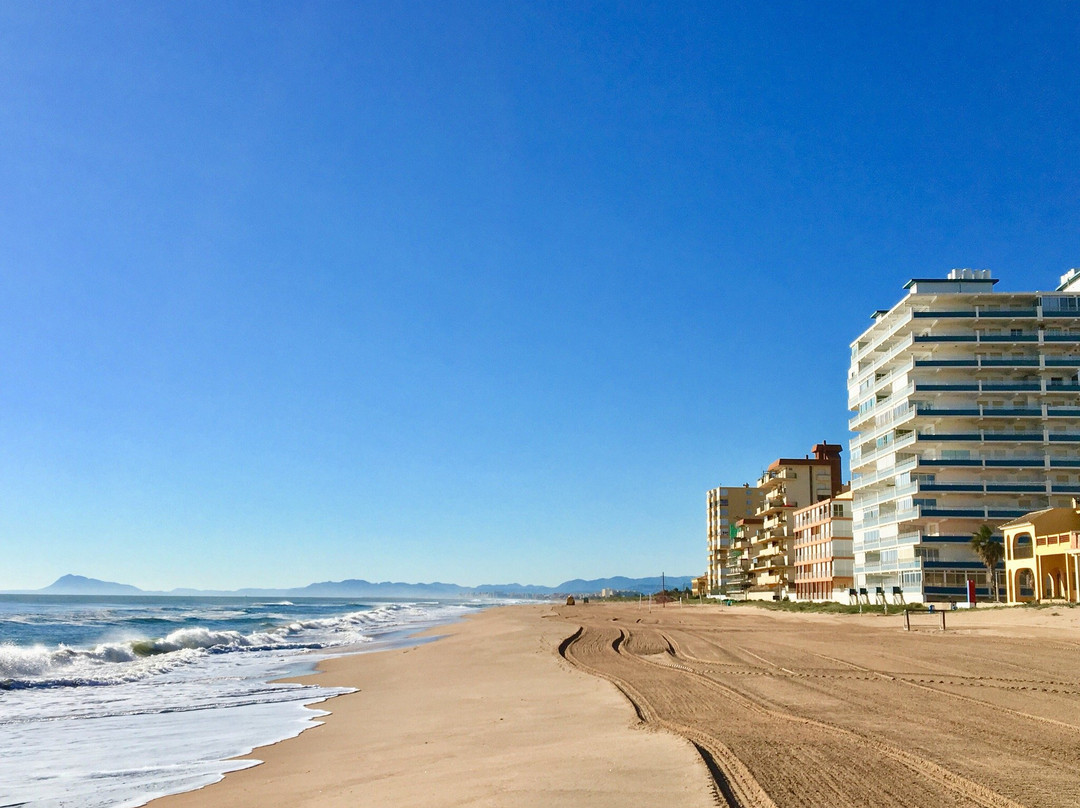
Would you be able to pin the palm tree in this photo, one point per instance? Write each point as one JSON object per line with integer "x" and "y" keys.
{"x": 990, "y": 551}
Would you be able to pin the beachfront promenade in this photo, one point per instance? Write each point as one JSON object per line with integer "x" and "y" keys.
{"x": 620, "y": 705}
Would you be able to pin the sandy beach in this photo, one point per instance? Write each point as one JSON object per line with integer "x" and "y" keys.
{"x": 616, "y": 705}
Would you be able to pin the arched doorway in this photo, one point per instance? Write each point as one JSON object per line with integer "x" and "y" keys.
{"x": 1024, "y": 585}
{"x": 1049, "y": 587}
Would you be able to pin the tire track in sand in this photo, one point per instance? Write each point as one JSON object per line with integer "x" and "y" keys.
{"x": 782, "y": 759}
{"x": 734, "y": 785}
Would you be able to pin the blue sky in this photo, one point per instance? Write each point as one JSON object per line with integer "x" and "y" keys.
{"x": 466, "y": 292}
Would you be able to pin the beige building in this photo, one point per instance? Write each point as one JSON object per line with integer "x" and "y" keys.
{"x": 724, "y": 507}
{"x": 824, "y": 561}
{"x": 788, "y": 484}
{"x": 1042, "y": 556}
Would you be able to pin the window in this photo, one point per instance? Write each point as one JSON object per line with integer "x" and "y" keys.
{"x": 1060, "y": 303}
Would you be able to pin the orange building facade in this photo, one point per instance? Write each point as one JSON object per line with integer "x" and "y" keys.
{"x": 824, "y": 560}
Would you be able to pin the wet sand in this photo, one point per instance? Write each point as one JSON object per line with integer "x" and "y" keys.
{"x": 620, "y": 705}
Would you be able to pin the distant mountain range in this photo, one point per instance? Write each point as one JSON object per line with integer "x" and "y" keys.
{"x": 356, "y": 588}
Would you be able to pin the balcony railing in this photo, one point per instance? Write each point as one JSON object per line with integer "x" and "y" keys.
{"x": 894, "y": 398}
{"x": 859, "y": 459}
{"x": 859, "y": 481}
{"x": 884, "y": 338}
{"x": 888, "y": 495}
{"x": 868, "y": 381}
{"x": 887, "y": 519}
{"x": 972, "y": 313}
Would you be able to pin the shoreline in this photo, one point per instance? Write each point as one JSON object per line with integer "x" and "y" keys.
{"x": 615, "y": 704}
{"x": 484, "y": 711}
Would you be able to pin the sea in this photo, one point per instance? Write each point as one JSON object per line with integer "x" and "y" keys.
{"x": 109, "y": 702}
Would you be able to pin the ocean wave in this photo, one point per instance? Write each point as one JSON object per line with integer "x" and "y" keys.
{"x": 128, "y": 659}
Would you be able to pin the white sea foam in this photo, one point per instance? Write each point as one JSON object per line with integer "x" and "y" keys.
{"x": 117, "y": 723}
{"x": 113, "y": 662}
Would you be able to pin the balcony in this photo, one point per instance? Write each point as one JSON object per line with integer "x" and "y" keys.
{"x": 889, "y": 494}
{"x": 874, "y": 567}
{"x": 979, "y": 386}
{"x": 776, "y": 532}
{"x": 945, "y": 339}
{"x": 894, "y": 398}
{"x": 972, "y": 314}
{"x": 982, "y": 412}
{"x": 1010, "y": 338}
{"x": 887, "y": 421}
{"x": 1011, "y": 463}
{"x": 769, "y": 580}
{"x": 771, "y": 522}
{"x": 971, "y": 513}
{"x": 1014, "y": 313}
{"x": 776, "y": 497}
{"x": 885, "y": 337}
{"x": 859, "y": 459}
{"x": 865, "y": 386}
{"x": 773, "y": 550}
{"x": 887, "y": 519}
{"x": 860, "y": 481}
{"x": 981, "y": 362}
{"x": 944, "y": 314}
{"x": 770, "y": 565}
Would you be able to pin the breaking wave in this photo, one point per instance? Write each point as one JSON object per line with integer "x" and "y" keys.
{"x": 136, "y": 657}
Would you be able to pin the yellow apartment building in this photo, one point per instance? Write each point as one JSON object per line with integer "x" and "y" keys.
{"x": 824, "y": 560}
{"x": 1042, "y": 556}
{"x": 725, "y": 506}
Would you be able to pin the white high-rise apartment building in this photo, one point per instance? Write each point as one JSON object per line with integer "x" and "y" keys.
{"x": 966, "y": 412}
